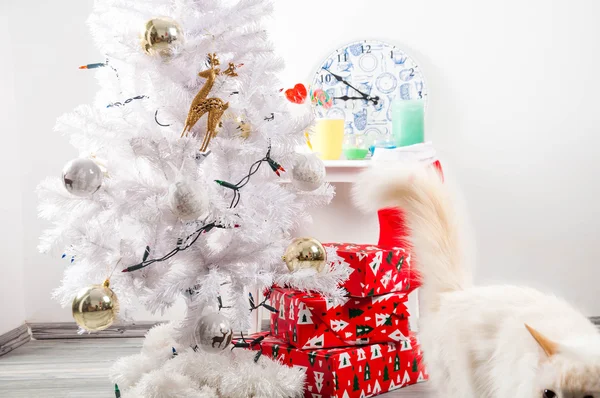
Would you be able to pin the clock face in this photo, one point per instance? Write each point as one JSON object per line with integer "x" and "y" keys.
{"x": 363, "y": 78}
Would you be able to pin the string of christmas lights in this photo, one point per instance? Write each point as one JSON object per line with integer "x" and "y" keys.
{"x": 247, "y": 344}
{"x": 100, "y": 65}
{"x": 263, "y": 303}
{"x": 128, "y": 100}
{"x": 184, "y": 244}
{"x": 157, "y": 122}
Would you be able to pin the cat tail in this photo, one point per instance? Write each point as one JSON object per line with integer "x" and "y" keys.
{"x": 431, "y": 217}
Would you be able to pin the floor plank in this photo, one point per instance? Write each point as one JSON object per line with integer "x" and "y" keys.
{"x": 78, "y": 368}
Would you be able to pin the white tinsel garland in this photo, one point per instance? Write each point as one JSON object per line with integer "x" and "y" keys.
{"x": 157, "y": 373}
{"x": 327, "y": 282}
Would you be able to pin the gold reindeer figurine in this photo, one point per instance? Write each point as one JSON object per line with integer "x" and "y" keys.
{"x": 213, "y": 106}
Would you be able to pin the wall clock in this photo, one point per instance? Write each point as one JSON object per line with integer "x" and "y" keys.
{"x": 363, "y": 78}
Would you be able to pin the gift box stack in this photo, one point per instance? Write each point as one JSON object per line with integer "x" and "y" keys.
{"x": 360, "y": 345}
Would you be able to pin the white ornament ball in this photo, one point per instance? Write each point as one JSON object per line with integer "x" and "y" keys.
{"x": 213, "y": 332}
{"x": 188, "y": 202}
{"x": 308, "y": 172}
{"x": 82, "y": 177}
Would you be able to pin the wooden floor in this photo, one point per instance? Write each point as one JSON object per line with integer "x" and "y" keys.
{"x": 78, "y": 369}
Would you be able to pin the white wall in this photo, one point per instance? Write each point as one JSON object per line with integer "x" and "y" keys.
{"x": 49, "y": 42}
{"x": 512, "y": 111}
{"x": 12, "y": 310}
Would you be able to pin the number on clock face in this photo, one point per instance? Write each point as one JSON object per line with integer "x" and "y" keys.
{"x": 363, "y": 78}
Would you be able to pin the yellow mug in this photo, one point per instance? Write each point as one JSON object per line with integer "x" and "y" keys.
{"x": 327, "y": 138}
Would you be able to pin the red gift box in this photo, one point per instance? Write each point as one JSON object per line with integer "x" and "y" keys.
{"x": 350, "y": 372}
{"x": 310, "y": 320}
{"x": 377, "y": 270}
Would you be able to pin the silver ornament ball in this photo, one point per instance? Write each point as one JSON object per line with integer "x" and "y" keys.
{"x": 213, "y": 332}
{"x": 187, "y": 202}
{"x": 308, "y": 172}
{"x": 82, "y": 177}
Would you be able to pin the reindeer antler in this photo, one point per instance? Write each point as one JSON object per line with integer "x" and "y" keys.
{"x": 230, "y": 71}
{"x": 213, "y": 60}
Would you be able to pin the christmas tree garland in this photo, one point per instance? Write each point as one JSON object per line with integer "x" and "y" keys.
{"x": 184, "y": 244}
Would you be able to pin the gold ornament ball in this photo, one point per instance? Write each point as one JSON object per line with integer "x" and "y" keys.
{"x": 305, "y": 253}
{"x": 160, "y": 36}
{"x": 95, "y": 307}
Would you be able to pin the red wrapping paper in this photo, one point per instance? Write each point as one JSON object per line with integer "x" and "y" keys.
{"x": 311, "y": 321}
{"x": 351, "y": 372}
{"x": 377, "y": 270}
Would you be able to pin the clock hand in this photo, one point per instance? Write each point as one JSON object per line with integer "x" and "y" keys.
{"x": 375, "y": 100}
{"x": 346, "y": 98}
{"x": 341, "y": 79}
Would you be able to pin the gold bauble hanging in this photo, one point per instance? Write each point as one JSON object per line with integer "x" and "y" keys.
{"x": 305, "y": 253}
{"x": 160, "y": 36}
{"x": 95, "y": 307}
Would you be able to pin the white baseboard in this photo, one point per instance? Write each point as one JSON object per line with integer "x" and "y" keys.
{"x": 14, "y": 338}
{"x": 68, "y": 330}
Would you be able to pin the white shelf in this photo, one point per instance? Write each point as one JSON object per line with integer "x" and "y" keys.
{"x": 351, "y": 164}
{"x": 344, "y": 170}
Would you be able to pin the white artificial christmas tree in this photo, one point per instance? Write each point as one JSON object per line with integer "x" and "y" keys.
{"x": 204, "y": 67}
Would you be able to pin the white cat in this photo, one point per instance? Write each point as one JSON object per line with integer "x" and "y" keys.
{"x": 482, "y": 342}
